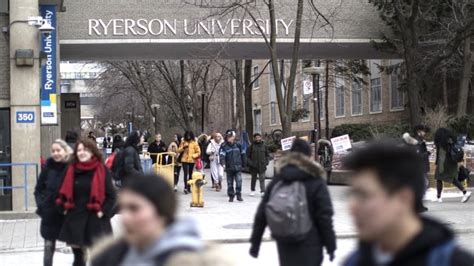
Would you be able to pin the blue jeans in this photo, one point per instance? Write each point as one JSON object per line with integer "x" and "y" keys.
{"x": 231, "y": 176}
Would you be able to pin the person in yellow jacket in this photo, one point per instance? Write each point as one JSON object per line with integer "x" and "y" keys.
{"x": 190, "y": 151}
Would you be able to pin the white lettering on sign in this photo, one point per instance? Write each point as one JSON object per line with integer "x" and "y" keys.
{"x": 341, "y": 144}
{"x": 287, "y": 143}
{"x": 48, "y": 48}
{"x": 210, "y": 27}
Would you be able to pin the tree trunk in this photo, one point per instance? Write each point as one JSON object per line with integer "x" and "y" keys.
{"x": 326, "y": 99}
{"x": 445, "y": 89}
{"x": 239, "y": 93}
{"x": 413, "y": 89}
{"x": 248, "y": 98}
{"x": 466, "y": 78}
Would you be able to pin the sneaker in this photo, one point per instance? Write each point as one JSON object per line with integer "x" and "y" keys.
{"x": 466, "y": 197}
{"x": 252, "y": 194}
{"x": 231, "y": 199}
{"x": 262, "y": 194}
{"x": 175, "y": 188}
{"x": 239, "y": 198}
{"x": 439, "y": 200}
{"x": 186, "y": 191}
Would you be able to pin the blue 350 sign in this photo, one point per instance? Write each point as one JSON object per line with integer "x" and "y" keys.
{"x": 25, "y": 117}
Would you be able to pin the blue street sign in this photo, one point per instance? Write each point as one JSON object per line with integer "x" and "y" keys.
{"x": 25, "y": 117}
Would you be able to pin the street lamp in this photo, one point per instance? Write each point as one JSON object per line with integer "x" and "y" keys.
{"x": 202, "y": 94}
{"x": 155, "y": 108}
{"x": 315, "y": 72}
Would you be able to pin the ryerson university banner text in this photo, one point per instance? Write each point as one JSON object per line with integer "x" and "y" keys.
{"x": 49, "y": 108}
{"x": 164, "y": 27}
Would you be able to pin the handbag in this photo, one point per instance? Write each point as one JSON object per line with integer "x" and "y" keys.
{"x": 463, "y": 173}
{"x": 198, "y": 164}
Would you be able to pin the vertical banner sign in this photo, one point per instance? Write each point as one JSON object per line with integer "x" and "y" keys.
{"x": 49, "y": 107}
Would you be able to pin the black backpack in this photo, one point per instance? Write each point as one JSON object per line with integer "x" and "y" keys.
{"x": 456, "y": 152}
{"x": 117, "y": 167}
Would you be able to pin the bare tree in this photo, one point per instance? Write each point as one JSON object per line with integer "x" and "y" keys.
{"x": 251, "y": 8}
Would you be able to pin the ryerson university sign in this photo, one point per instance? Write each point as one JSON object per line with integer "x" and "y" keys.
{"x": 164, "y": 27}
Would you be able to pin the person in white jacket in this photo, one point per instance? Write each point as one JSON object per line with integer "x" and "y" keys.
{"x": 217, "y": 171}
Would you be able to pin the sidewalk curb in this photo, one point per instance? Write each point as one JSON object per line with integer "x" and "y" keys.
{"x": 222, "y": 241}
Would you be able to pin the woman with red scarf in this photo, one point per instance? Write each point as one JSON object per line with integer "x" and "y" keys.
{"x": 87, "y": 198}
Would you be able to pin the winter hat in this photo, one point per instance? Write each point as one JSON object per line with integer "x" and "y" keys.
{"x": 301, "y": 146}
{"x": 157, "y": 191}
{"x": 230, "y": 133}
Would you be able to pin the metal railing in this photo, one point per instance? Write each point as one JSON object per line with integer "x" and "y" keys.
{"x": 25, "y": 167}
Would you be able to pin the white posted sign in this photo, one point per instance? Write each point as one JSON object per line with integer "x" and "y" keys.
{"x": 286, "y": 143}
{"x": 341, "y": 143}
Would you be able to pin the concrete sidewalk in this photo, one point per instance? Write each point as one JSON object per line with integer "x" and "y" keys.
{"x": 225, "y": 222}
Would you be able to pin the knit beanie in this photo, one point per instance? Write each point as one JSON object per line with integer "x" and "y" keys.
{"x": 157, "y": 191}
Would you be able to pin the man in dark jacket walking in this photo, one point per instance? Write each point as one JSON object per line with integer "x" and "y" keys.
{"x": 298, "y": 166}
{"x": 387, "y": 186}
{"x": 232, "y": 158}
{"x": 157, "y": 147}
{"x": 257, "y": 160}
{"x": 418, "y": 142}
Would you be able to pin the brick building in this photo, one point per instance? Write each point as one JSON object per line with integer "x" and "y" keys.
{"x": 379, "y": 101}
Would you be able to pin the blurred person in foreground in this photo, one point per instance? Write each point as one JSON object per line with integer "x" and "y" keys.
{"x": 153, "y": 236}
{"x": 387, "y": 187}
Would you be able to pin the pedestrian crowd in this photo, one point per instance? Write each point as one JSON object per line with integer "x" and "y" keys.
{"x": 78, "y": 193}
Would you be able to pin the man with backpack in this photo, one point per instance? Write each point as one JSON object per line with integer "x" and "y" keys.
{"x": 298, "y": 209}
{"x": 387, "y": 187}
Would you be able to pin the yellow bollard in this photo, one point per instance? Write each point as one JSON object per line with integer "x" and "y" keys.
{"x": 196, "y": 183}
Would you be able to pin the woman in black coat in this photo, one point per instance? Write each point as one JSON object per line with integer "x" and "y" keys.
{"x": 130, "y": 158}
{"x": 86, "y": 198}
{"x": 46, "y": 190}
{"x": 294, "y": 167}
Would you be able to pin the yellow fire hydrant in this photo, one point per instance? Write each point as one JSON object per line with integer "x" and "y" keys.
{"x": 196, "y": 183}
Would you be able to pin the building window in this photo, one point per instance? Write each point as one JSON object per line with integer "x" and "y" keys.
{"x": 306, "y": 101}
{"x": 322, "y": 102}
{"x": 257, "y": 126}
{"x": 273, "y": 119}
{"x": 256, "y": 83}
{"x": 396, "y": 95}
{"x": 356, "y": 98}
{"x": 273, "y": 99}
{"x": 375, "y": 95}
{"x": 340, "y": 107}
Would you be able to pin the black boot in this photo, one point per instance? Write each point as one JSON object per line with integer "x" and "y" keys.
{"x": 79, "y": 259}
{"x": 239, "y": 197}
{"x": 49, "y": 247}
{"x": 231, "y": 198}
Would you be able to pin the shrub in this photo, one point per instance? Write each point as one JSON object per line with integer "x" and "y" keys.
{"x": 360, "y": 132}
{"x": 356, "y": 132}
{"x": 463, "y": 125}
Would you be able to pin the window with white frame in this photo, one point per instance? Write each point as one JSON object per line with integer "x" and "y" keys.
{"x": 257, "y": 127}
{"x": 356, "y": 98}
{"x": 256, "y": 83}
{"x": 375, "y": 95}
{"x": 322, "y": 103}
{"x": 273, "y": 112}
{"x": 340, "y": 94}
{"x": 306, "y": 101}
{"x": 396, "y": 95}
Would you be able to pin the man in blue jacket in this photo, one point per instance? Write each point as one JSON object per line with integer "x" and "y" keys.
{"x": 232, "y": 158}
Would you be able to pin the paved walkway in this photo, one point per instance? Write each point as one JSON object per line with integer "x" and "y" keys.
{"x": 226, "y": 222}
